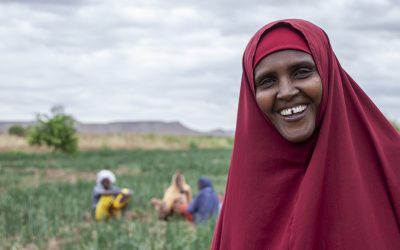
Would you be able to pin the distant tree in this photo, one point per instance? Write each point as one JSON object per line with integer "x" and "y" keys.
{"x": 56, "y": 130}
{"x": 17, "y": 130}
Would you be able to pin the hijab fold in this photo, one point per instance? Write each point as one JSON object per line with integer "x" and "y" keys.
{"x": 340, "y": 189}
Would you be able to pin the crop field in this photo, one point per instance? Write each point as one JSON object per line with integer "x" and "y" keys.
{"x": 45, "y": 198}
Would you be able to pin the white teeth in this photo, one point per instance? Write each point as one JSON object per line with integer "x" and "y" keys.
{"x": 293, "y": 110}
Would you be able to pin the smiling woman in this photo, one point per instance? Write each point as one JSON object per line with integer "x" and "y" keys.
{"x": 315, "y": 163}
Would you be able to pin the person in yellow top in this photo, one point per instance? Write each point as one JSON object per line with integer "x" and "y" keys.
{"x": 178, "y": 191}
{"x": 108, "y": 200}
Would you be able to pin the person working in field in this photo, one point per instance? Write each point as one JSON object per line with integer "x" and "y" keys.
{"x": 179, "y": 190}
{"x": 204, "y": 206}
{"x": 108, "y": 200}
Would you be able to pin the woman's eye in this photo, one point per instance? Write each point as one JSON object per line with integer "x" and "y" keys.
{"x": 267, "y": 82}
{"x": 302, "y": 73}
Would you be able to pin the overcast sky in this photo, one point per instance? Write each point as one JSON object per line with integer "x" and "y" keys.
{"x": 173, "y": 59}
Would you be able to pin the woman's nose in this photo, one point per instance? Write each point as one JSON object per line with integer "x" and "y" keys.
{"x": 287, "y": 90}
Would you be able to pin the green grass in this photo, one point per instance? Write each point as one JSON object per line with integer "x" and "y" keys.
{"x": 36, "y": 209}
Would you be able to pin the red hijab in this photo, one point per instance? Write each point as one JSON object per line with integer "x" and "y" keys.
{"x": 340, "y": 189}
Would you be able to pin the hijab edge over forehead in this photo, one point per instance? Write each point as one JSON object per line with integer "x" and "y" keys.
{"x": 279, "y": 38}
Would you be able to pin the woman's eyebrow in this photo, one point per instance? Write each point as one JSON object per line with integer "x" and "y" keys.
{"x": 303, "y": 63}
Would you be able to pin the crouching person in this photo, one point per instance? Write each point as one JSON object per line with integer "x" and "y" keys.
{"x": 204, "y": 205}
{"x": 108, "y": 200}
{"x": 178, "y": 193}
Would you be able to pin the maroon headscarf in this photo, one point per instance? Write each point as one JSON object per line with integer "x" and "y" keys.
{"x": 340, "y": 189}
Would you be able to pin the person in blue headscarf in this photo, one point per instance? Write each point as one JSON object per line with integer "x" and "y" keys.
{"x": 206, "y": 203}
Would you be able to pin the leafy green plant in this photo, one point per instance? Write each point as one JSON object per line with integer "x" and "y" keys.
{"x": 56, "y": 130}
{"x": 17, "y": 130}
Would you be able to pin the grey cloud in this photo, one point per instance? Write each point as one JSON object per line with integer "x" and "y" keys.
{"x": 43, "y": 2}
{"x": 382, "y": 89}
{"x": 376, "y": 17}
{"x": 391, "y": 26}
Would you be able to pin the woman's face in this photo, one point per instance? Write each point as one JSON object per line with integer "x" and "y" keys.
{"x": 106, "y": 183}
{"x": 179, "y": 181}
{"x": 289, "y": 91}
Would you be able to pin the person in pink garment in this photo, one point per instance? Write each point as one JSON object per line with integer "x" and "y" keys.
{"x": 315, "y": 163}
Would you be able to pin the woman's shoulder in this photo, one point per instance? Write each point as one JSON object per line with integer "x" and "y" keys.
{"x": 97, "y": 189}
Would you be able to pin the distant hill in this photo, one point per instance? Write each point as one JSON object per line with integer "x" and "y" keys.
{"x": 139, "y": 127}
{"x": 143, "y": 127}
{"x": 221, "y": 133}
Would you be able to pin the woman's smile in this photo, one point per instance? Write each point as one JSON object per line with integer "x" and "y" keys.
{"x": 293, "y": 112}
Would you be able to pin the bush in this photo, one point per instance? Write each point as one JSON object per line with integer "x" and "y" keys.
{"x": 17, "y": 130}
{"x": 56, "y": 131}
